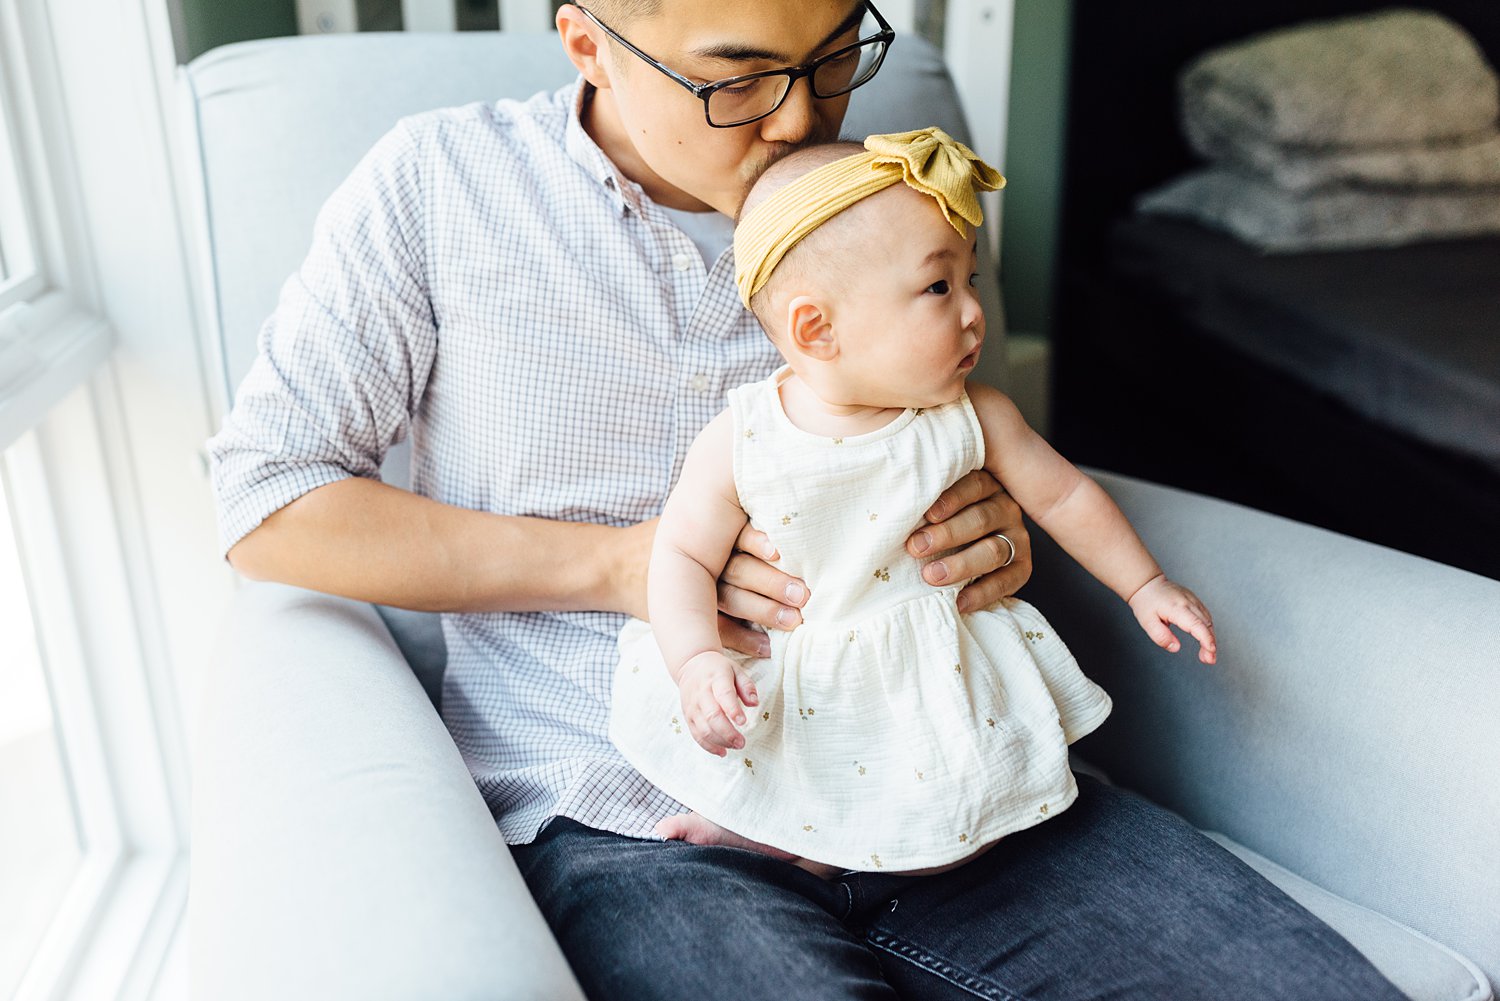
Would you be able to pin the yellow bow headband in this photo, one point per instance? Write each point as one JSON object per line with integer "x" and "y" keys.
{"x": 928, "y": 160}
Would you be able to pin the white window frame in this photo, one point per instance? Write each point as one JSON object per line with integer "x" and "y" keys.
{"x": 65, "y": 463}
{"x": 22, "y": 279}
{"x": 44, "y": 325}
{"x": 109, "y": 937}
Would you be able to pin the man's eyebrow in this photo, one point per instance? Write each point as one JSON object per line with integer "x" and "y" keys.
{"x": 736, "y": 53}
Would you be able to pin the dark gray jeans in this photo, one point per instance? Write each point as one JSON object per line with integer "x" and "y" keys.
{"x": 1114, "y": 898}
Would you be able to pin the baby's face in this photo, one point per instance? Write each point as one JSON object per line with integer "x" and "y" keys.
{"x": 908, "y": 319}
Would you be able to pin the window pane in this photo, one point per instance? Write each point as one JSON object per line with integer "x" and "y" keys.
{"x": 39, "y": 844}
{"x": 15, "y": 239}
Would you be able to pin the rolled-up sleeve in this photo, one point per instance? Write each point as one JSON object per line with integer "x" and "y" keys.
{"x": 342, "y": 362}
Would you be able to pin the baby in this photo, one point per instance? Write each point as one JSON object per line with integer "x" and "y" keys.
{"x": 888, "y": 731}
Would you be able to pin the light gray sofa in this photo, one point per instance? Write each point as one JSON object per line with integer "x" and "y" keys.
{"x": 340, "y": 850}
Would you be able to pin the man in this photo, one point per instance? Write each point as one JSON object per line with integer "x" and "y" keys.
{"x": 538, "y": 294}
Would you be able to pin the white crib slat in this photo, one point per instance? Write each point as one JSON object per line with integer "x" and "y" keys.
{"x": 977, "y": 47}
{"x": 525, "y": 15}
{"x": 429, "y": 15}
{"x": 321, "y": 17}
{"x": 901, "y": 13}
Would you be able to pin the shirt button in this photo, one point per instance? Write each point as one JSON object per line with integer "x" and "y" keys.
{"x": 699, "y": 383}
{"x": 681, "y": 262}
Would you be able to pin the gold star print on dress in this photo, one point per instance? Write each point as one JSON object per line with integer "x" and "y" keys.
{"x": 887, "y": 721}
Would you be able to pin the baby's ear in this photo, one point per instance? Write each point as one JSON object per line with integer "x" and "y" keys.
{"x": 809, "y": 329}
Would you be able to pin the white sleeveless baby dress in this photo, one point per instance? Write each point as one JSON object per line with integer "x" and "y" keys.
{"x": 892, "y": 732}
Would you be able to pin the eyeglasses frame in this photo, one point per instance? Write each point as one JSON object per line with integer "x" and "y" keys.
{"x": 704, "y": 91}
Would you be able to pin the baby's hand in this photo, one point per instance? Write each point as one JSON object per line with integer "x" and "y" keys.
{"x": 1161, "y": 602}
{"x": 712, "y": 687}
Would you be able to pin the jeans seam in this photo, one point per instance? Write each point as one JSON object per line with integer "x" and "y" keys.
{"x": 940, "y": 967}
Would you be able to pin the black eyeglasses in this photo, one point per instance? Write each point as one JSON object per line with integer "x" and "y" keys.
{"x": 740, "y": 100}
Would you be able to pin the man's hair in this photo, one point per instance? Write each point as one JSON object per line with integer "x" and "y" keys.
{"x": 821, "y": 259}
{"x": 616, "y": 13}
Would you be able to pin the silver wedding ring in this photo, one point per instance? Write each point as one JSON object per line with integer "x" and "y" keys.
{"x": 1006, "y": 539}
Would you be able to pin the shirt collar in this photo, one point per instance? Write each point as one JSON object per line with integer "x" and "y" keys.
{"x": 625, "y": 193}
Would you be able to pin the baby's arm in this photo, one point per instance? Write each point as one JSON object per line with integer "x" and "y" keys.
{"x": 1081, "y": 517}
{"x": 698, "y": 528}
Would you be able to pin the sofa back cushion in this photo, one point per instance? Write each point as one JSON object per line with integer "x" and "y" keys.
{"x": 275, "y": 125}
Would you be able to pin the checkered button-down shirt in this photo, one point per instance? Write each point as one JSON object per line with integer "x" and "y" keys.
{"x": 487, "y": 283}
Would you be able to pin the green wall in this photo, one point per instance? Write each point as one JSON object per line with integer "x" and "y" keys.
{"x": 204, "y": 24}
{"x": 1033, "y": 162}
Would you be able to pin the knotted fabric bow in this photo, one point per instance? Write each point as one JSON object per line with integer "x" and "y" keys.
{"x": 928, "y": 160}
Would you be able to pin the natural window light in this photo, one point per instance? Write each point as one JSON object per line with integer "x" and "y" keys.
{"x": 39, "y": 843}
{"x": 16, "y": 259}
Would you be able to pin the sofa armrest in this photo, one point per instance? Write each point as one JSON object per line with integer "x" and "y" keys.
{"x": 1349, "y": 730}
{"x": 340, "y": 848}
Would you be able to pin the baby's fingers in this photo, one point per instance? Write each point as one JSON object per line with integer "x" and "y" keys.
{"x": 1160, "y": 635}
{"x": 706, "y": 741}
{"x": 1203, "y": 631}
{"x": 712, "y": 730}
{"x": 1197, "y": 625}
{"x": 726, "y": 695}
{"x": 746, "y": 689}
{"x": 712, "y": 726}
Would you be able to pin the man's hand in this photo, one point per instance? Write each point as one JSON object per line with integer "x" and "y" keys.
{"x": 713, "y": 688}
{"x": 968, "y": 514}
{"x": 753, "y": 591}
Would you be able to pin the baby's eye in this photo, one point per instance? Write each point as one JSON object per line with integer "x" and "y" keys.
{"x": 939, "y": 287}
{"x": 973, "y": 280}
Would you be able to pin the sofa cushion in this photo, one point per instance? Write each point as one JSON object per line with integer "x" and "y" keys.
{"x": 1423, "y": 969}
{"x": 1348, "y": 728}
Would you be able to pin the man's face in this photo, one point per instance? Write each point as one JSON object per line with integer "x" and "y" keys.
{"x": 657, "y": 128}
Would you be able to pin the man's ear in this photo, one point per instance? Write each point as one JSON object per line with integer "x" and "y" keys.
{"x": 809, "y": 328}
{"x": 583, "y": 48}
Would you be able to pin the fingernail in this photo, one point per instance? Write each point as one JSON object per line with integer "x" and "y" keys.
{"x": 771, "y": 555}
{"x": 962, "y": 604}
{"x": 786, "y": 618}
{"x": 764, "y": 648}
{"x": 795, "y": 593}
{"x": 939, "y": 572}
{"x": 922, "y": 542}
{"x": 752, "y": 699}
{"x": 739, "y": 718}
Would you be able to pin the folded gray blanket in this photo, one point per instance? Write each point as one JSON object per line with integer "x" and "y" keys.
{"x": 1278, "y": 221}
{"x": 1465, "y": 164}
{"x": 1395, "y": 78}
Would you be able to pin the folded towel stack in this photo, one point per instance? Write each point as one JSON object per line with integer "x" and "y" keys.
{"x": 1372, "y": 130}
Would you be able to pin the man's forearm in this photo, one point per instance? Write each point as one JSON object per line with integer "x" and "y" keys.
{"x": 374, "y": 542}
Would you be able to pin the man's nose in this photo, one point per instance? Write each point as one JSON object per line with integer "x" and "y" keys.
{"x": 797, "y": 117}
